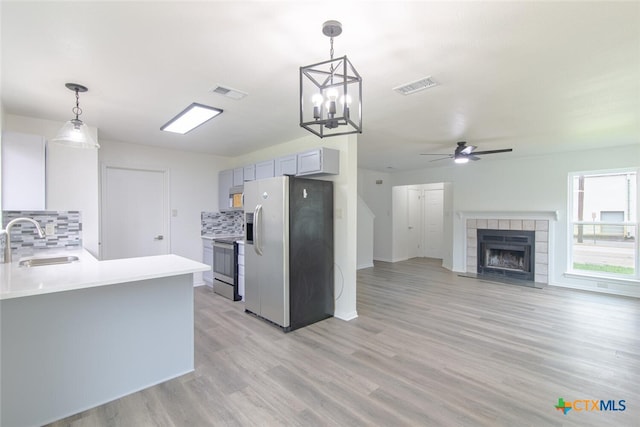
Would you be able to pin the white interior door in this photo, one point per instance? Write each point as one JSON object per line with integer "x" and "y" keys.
{"x": 433, "y": 223}
{"x": 134, "y": 213}
{"x": 414, "y": 232}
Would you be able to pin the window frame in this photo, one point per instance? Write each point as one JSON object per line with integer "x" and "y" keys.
{"x": 571, "y": 224}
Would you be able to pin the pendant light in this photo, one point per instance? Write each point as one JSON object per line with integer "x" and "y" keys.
{"x": 331, "y": 93}
{"x": 75, "y": 133}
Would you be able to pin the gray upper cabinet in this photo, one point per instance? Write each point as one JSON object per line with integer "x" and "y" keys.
{"x": 238, "y": 176}
{"x": 225, "y": 182}
{"x": 23, "y": 171}
{"x": 265, "y": 169}
{"x": 250, "y": 173}
{"x": 287, "y": 165}
{"x": 319, "y": 161}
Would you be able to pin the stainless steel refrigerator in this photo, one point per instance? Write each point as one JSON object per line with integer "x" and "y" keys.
{"x": 289, "y": 271}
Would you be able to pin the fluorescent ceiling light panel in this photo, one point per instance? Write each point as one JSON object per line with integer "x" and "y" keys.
{"x": 190, "y": 118}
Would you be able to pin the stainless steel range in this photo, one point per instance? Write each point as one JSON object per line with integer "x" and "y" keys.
{"x": 225, "y": 268}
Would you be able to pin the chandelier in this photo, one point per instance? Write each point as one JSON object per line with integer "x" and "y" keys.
{"x": 331, "y": 93}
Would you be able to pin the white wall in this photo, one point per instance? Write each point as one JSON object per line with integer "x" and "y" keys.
{"x": 72, "y": 175}
{"x": 345, "y": 206}
{"x": 523, "y": 184}
{"x": 193, "y": 188}
{"x": 378, "y": 198}
{"x": 365, "y": 235}
{"x": 1, "y": 127}
{"x": 400, "y": 207}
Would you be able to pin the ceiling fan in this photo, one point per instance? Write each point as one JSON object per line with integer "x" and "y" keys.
{"x": 464, "y": 153}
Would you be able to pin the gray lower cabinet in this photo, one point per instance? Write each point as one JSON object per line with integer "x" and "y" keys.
{"x": 241, "y": 269}
{"x": 207, "y": 258}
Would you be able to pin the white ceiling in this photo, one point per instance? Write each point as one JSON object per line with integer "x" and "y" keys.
{"x": 539, "y": 77}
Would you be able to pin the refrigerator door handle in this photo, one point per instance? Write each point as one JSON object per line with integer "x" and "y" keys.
{"x": 257, "y": 230}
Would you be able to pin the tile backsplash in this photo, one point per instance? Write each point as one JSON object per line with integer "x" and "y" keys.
{"x": 222, "y": 223}
{"x": 67, "y": 226}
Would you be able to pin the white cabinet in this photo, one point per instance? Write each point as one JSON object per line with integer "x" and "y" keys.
{"x": 238, "y": 176}
{"x": 250, "y": 173}
{"x": 287, "y": 165}
{"x": 319, "y": 161}
{"x": 225, "y": 182}
{"x": 23, "y": 172}
{"x": 265, "y": 169}
{"x": 207, "y": 258}
{"x": 241, "y": 269}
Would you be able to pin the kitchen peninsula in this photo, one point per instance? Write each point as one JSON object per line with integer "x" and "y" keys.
{"x": 81, "y": 334}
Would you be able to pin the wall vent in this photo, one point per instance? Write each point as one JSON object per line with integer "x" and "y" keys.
{"x": 228, "y": 92}
{"x": 415, "y": 86}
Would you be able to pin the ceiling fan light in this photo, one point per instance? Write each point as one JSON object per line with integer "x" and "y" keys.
{"x": 461, "y": 159}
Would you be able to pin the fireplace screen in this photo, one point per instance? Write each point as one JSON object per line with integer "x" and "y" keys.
{"x": 507, "y": 253}
{"x": 509, "y": 259}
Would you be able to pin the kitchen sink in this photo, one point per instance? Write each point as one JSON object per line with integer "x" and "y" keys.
{"x": 36, "y": 262}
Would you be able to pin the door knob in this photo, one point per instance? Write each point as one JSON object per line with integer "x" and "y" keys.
{"x": 159, "y": 237}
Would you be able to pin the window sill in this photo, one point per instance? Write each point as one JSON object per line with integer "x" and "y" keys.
{"x": 608, "y": 279}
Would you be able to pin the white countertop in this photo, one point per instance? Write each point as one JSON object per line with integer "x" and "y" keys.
{"x": 88, "y": 272}
{"x": 222, "y": 236}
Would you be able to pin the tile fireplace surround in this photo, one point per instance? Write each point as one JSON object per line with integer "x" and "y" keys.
{"x": 539, "y": 226}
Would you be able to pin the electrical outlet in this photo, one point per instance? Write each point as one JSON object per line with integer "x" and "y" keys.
{"x": 50, "y": 229}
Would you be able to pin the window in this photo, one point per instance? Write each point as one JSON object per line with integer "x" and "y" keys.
{"x": 603, "y": 223}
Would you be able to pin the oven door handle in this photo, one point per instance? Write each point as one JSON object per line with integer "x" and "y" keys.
{"x": 257, "y": 230}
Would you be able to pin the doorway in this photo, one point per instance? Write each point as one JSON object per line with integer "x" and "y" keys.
{"x": 134, "y": 207}
{"x": 419, "y": 221}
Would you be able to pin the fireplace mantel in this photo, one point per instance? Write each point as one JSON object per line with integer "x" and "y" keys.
{"x": 548, "y": 215}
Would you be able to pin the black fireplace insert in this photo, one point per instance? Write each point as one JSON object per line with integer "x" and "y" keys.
{"x": 506, "y": 253}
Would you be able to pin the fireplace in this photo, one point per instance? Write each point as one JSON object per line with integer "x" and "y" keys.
{"x": 506, "y": 253}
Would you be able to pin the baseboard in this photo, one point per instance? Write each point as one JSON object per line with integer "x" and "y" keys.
{"x": 199, "y": 283}
{"x": 360, "y": 267}
{"x": 346, "y": 316}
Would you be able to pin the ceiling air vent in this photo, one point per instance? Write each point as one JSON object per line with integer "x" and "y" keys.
{"x": 228, "y": 92}
{"x": 416, "y": 86}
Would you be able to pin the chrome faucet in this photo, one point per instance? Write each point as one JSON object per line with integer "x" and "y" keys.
{"x": 7, "y": 231}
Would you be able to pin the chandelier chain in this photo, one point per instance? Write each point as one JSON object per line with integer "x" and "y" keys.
{"x": 331, "y": 68}
{"x": 331, "y": 50}
{"x": 77, "y": 110}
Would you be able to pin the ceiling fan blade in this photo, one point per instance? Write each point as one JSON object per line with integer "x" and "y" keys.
{"x": 472, "y": 157}
{"x": 435, "y": 154}
{"x": 505, "y": 150}
{"x": 441, "y": 158}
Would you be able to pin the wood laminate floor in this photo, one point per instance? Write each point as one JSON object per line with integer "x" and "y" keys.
{"x": 429, "y": 348}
